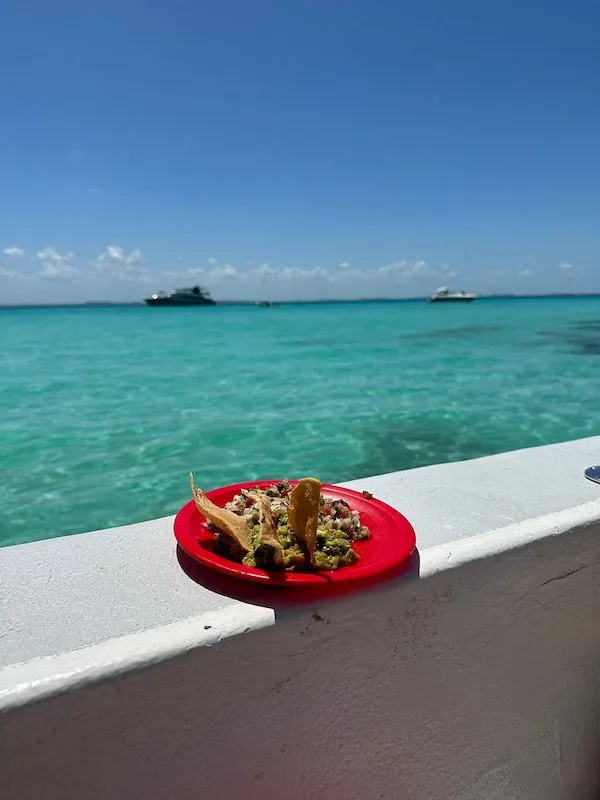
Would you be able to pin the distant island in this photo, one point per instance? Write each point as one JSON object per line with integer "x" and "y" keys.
{"x": 140, "y": 303}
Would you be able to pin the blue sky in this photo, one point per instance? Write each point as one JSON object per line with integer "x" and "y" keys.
{"x": 298, "y": 149}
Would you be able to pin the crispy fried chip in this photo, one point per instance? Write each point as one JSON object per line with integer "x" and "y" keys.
{"x": 232, "y": 524}
{"x": 303, "y": 513}
{"x": 268, "y": 531}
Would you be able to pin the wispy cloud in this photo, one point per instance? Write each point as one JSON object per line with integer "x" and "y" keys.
{"x": 525, "y": 273}
{"x": 448, "y": 271}
{"x": 290, "y": 273}
{"x": 300, "y": 273}
{"x": 227, "y": 271}
{"x": 416, "y": 269}
{"x": 11, "y": 274}
{"x": 570, "y": 269}
{"x": 125, "y": 266}
{"x": 116, "y": 255}
{"x": 56, "y": 265}
{"x": 403, "y": 268}
{"x": 116, "y": 262}
{"x": 266, "y": 271}
{"x": 342, "y": 272}
{"x": 223, "y": 270}
{"x": 192, "y": 273}
{"x": 14, "y": 251}
{"x": 217, "y": 271}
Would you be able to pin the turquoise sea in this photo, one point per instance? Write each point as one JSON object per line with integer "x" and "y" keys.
{"x": 104, "y": 411}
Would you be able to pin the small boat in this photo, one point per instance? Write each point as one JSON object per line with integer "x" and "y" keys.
{"x": 265, "y": 303}
{"x": 445, "y": 295}
{"x": 195, "y": 296}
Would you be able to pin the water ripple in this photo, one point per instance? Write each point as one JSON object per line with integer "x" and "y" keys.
{"x": 103, "y": 412}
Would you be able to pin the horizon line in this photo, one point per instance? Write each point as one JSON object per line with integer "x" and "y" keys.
{"x": 136, "y": 303}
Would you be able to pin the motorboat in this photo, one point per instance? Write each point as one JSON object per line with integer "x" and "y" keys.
{"x": 445, "y": 295}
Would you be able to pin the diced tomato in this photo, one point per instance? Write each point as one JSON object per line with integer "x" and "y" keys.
{"x": 327, "y": 511}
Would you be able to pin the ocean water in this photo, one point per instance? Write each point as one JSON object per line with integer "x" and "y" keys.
{"x": 104, "y": 411}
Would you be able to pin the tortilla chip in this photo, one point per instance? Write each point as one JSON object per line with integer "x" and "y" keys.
{"x": 303, "y": 513}
{"x": 226, "y": 521}
{"x": 267, "y": 537}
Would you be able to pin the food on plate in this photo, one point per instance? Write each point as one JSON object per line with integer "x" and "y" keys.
{"x": 303, "y": 513}
{"x": 225, "y": 520}
{"x": 269, "y": 546}
{"x": 284, "y": 527}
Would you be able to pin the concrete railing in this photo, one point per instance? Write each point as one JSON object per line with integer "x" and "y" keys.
{"x": 129, "y": 672}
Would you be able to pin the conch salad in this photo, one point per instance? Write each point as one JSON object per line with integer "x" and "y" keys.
{"x": 284, "y": 527}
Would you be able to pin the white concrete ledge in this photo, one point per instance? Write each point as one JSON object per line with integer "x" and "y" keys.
{"x": 97, "y": 586}
{"x": 475, "y": 674}
{"x": 43, "y": 677}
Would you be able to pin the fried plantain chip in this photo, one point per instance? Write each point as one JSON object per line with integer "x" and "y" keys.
{"x": 303, "y": 513}
{"x": 267, "y": 538}
{"x": 226, "y": 521}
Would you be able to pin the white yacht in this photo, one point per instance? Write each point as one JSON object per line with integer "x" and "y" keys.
{"x": 445, "y": 295}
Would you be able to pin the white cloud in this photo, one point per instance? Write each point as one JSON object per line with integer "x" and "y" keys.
{"x": 116, "y": 255}
{"x": 220, "y": 270}
{"x": 113, "y": 253}
{"x": 14, "y": 251}
{"x": 524, "y": 273}
{"x": 226, "y": 271}
{"x": 56, "y": 265}
{"x": 115, "y": 261}
{"x": 394, "y": 267}
{"x": 406, "y": 269}
{"x": 298, "y": 273}
{"x": 418, "y": 269}
{"x": 11, "y": 274}
{"x": 266, "y": 271}
{"x": 573, "y": 270}
{"x": 415, "y": 270}
{"x": 448, "y": 271}
{"x": 183, "y": 275}
{"x": 135, "y": 257}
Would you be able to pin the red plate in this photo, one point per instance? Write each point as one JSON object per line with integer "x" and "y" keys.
{"x": 392, "y": 540}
